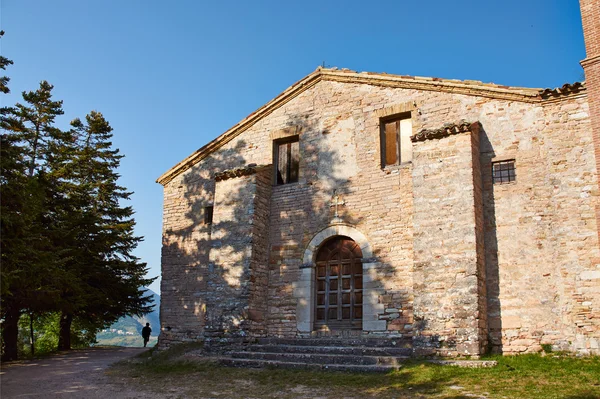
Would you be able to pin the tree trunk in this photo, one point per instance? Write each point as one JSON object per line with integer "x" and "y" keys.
{"x": 10, "y": 333}
{"x": 31, "y": 337}
{"x": 64, "y": 335}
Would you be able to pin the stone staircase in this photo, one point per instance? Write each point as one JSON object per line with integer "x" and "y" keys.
{"x": 359, "y": 354}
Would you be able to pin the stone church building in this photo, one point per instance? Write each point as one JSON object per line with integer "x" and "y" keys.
{"x": 458, "y": 215}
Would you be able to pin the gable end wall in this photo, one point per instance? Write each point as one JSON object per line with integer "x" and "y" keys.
{"x": 540, "y": 245}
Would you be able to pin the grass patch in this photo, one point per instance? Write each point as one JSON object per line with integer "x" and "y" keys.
{"x": 526, "y": 376}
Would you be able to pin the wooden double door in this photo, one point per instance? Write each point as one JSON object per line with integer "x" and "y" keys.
{"x": 339, "y": 285}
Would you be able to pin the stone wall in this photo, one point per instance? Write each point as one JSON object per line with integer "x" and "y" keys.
{"x": 237, "y": 278}
{"x": 449, "y": 267}
{"x": 540, "y": 230}
{"x": 541, "y": 283}
{"x": 258, "y": 300}
{"x": 569, "y": 152}
{"x": 185, "y": 250}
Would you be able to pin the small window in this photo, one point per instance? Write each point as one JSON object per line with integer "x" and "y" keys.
{"x": 504, "y": 172}
{"x": 396, "y": 147}
{"x": 208, "y": 215}
{"x": 287, "y": 161}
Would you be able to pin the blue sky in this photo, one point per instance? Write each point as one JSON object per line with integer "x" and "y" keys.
{"x": 172, "y": 75}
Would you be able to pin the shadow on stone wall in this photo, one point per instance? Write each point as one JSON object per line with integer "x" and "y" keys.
{"x": 188, "y": 276}
{"x": 494, "y": 307}
{"x": 301, "y": 210}
{"x": 201, "y": 299}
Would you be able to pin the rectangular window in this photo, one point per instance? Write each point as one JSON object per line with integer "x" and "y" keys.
{"x": 208, "y": 215}
{"x": 287, "y": 160}
{"x": 396, "y": 147}
{"x": 504, "y": 172}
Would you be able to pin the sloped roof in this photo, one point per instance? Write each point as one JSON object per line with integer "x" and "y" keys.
{"x": 467, "y": 87}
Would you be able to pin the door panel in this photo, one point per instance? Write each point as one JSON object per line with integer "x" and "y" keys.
{"x": 339, "y": 285}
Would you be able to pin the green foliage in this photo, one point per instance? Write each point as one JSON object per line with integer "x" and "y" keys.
{"x": 30, "y": 261}
{"x": 547, "y": 348}
{"x": 4, "y": 62}
{"x": 100, "y": 231}
{"x": 46, "y": 334}
{"x": 67, "y": 240}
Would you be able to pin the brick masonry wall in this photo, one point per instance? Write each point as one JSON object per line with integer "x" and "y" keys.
{"x": 339, "y": 146}
{"x": 590, "y": 16}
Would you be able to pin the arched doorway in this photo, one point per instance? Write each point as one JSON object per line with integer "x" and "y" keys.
{"x": 339, "y": 285}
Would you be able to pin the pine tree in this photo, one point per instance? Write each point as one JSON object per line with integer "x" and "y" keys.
{"x": 66, "y": 240}
{"x": 14, "y": 240}
{"x": 102, "y": 238}
{"x": 31, "y": 263}
{"x": 4, "y": 62}
{"x": 12, "y": 220}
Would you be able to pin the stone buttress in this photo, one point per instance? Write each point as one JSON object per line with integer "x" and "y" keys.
{"x": 236, "y": 294}
{"x": 449, "y": 266}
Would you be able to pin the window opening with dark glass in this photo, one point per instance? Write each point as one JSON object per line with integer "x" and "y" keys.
{"x": 504, "y": 172}
{"x": 208, "y": 215}
{"x": 396, "y": 147}
{"x": 287, "y": 158}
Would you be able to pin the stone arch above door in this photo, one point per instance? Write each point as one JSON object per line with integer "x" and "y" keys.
{"x": 332, "y": 231}
{"x": 304, "y": 291}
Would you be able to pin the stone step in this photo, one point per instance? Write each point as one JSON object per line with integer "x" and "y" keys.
{"x": 332, "y": 350}
{"x": 261, "y": 363}
{"x": 313, "y": 358}
{"x": 364, "y": 342}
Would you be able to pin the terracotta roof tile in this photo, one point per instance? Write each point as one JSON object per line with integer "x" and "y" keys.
{"x": 247, "y": 170}
{"x": 567, "y": 88}
{"x": 447, "y": 130}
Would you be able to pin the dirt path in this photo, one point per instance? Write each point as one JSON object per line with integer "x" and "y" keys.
{"x": 76, "y": 374}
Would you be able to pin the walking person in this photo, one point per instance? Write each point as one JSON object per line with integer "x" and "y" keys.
{"x": 146, "y": 333}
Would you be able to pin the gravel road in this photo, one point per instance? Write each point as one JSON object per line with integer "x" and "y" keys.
{"x": 74, "y": 374}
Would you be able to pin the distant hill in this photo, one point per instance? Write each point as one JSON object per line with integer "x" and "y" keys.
{"x": 127, "y": 330}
